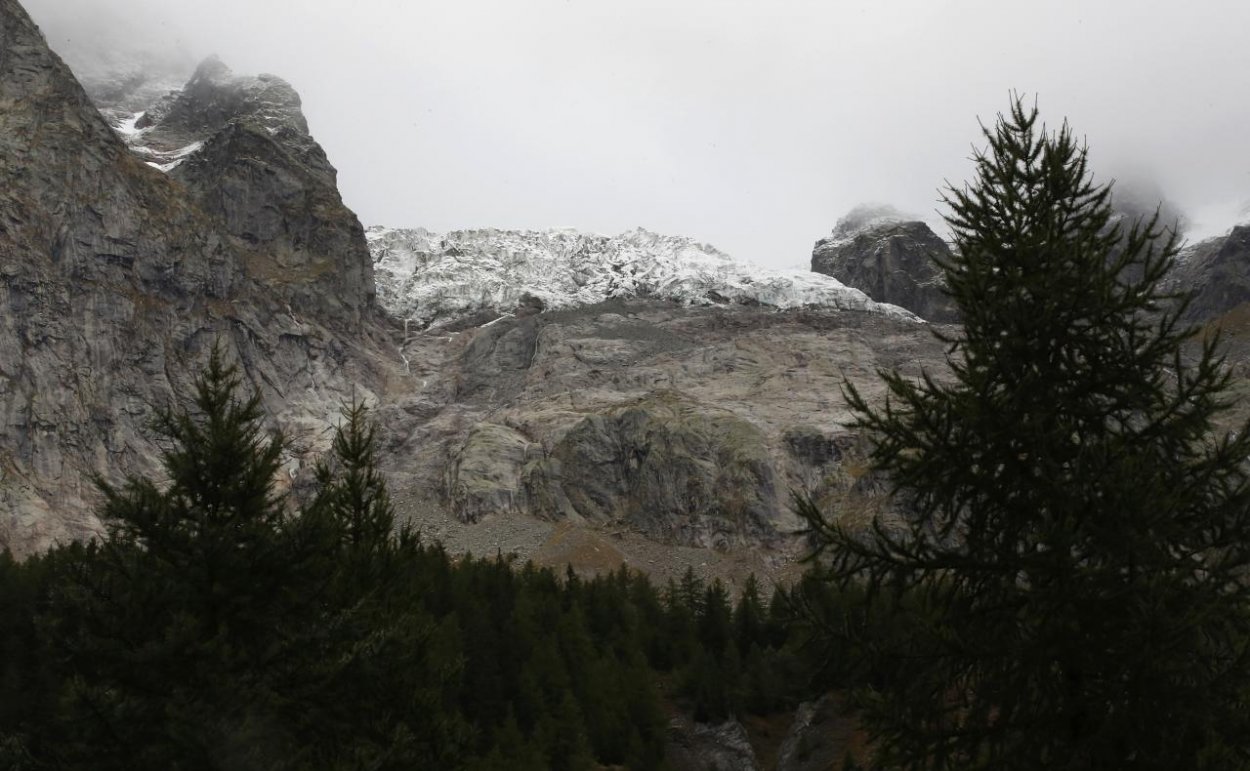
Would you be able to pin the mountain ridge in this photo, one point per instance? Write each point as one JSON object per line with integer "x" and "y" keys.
{"x": 432, "y": 278}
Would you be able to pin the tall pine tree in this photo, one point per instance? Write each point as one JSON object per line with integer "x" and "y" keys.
{"x": 1067, "y": 570}
{"x": 170, "y": 625}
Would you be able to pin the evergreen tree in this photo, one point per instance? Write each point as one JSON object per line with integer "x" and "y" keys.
{"x": 750, "y": 616}
{"x": 166, "y": 625}
{"x": 352, "y": 492}
{"x": 1067, "y": 566}
{"x": 715, "y": 621}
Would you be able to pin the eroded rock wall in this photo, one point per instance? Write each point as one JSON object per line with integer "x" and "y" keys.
{"x": 113, "y": 283}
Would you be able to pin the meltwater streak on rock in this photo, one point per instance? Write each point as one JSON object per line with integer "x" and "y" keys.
{"x": 114, "y": 282}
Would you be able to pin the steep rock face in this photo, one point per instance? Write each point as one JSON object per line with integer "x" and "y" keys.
{"x": 242, "y": 148}
{"x": 688, "y": 425}
{"x": 113, "y": 281}
{"x": 671, "y": 468}
{"x": 1217, "y": 271}
{"x": 890, "y": 259}
{"x": 487, "y": 474}
{"x": 287, "y": 219}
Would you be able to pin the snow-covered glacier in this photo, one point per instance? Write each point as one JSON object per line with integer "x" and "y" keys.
{"x": 431, "y": 278}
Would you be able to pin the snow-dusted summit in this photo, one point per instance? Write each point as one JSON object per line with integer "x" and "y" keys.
{"x": 174, "y": 128}
{"x": 431, "y": 278}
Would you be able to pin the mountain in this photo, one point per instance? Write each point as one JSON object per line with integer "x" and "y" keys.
{"x": 115, "y": 278}
{"x": 570, "y": 397}
{"x": 688, "y": 424}
{"x": 1217, "y": 271}
{"x": 640, "y": 383}
{"x": 890, "y": 257}
{"x": 241, "y": 146}
{"x": 563, "y": 396}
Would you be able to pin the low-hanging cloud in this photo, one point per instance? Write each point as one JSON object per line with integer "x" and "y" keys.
{"x": 750, "y": 125}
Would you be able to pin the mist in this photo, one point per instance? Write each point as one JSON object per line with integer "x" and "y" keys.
{"x": 751, "y": 125}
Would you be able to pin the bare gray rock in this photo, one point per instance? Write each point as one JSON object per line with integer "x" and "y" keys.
{"x": 1217, "y": 272}
{"x": 486, "y": 476}
{"x": 672, "y": 468}
{"x": 890, "y": 259}
{"x": 703, "y": 747}
{"x": 689, "y": 425}
{"x": 819, "y": 737}
{"x": 114, "y": 282}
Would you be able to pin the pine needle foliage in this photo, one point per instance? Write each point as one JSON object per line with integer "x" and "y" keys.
{"x": 351, "y": 489}
{"x": 1065, "y": 573}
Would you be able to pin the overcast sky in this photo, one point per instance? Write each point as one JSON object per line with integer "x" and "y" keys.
{"x": 749, "y": 124}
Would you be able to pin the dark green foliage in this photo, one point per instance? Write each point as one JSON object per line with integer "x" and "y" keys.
{"x": 165, "y": 624}
{"x": 1065, "y": 588}
{"x": 352, "y": 494}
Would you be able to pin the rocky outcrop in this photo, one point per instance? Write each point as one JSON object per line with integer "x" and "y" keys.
{"x": 688, "y": 425}
{"x": 113, "y": 282}
{"x": 1217, "y": 272}
{"x": 704, "y": 747}
{"x": 821, "y": 737}
{"x": 487, "y": 474}
{"x": 889, "y": 258}
{"x": 242, "y": 148}
{"x": 669, "y": 467}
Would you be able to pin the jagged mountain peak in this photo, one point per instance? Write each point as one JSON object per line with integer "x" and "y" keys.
{"x": 211, "y": 134}
{"x": 432, "y": 278}
{"x": 179, "y": 123}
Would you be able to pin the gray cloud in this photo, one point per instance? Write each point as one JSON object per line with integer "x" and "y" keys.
{"x": 752, "y": 125}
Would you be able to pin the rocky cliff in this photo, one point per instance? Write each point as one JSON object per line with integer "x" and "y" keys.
{"x": 641, "y": 385}
{"x": 1217, "y": 271}
{"x": 890, "y": 258}
{"x": 643, "y": 418}
{"x": 115, "y": 277}
{"x": 241, "y": 147}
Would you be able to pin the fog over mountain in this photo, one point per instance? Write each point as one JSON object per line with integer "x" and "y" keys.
{"x": 749, "y": 125}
